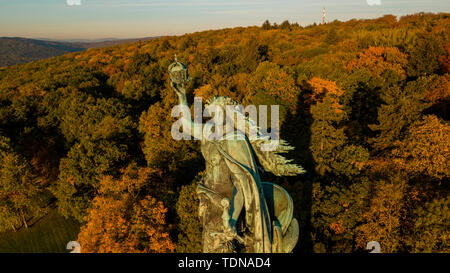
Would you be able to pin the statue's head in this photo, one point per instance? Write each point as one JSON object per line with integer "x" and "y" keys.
{"x": 225, "y": 105}
{"x": 221, "y": 101}
{"x": 232, "y": 111}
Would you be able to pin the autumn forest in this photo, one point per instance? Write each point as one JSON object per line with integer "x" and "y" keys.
{"x": 85, "y": 137}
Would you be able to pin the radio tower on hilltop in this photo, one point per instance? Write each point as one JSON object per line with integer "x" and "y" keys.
{"x": 323, "y": 17}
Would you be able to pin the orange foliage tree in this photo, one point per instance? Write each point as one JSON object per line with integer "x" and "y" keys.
{"x": 124, "y": 219}
{"x": 445, "y": 59}
{"x": 379, "y": 60}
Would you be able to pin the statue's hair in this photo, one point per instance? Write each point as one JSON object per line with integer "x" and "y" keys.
{"x": 221, "y": 101}
{"x": 271, "y": 160}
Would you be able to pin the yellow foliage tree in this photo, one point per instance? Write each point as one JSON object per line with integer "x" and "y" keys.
{"x": 383, "y": 217}
{"x": 426, "y": 149}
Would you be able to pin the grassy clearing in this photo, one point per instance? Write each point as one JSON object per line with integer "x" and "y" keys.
{"x": 49, "y": 235}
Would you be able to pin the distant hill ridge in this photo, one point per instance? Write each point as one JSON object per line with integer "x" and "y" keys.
{"x": 18, "y": 50}
{"x": 15, "y": 50}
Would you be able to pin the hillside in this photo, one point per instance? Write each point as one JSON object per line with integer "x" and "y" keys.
{"x": 15, "y": 50}
{"x": 20, "y": 50}
{"x": 364, "y": 103}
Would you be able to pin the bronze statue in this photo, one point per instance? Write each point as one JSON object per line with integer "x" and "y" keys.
{"x": 239, "y": 212}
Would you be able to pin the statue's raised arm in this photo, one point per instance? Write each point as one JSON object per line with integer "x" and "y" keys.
{"x": 179, "y": 76}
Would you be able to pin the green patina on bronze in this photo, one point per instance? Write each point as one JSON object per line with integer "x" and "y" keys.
{"x": 239, "y": 212}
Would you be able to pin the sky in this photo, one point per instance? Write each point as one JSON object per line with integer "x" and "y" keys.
{"x": 96, "y": 19}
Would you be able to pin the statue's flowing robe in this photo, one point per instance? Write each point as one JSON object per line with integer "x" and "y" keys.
{"x": 217, "y": 183}
{"x": 231, "y": 163}
{"x": 240, "y": 158}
